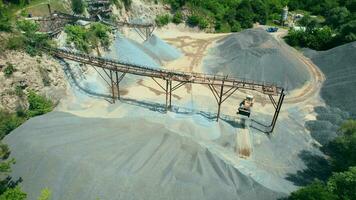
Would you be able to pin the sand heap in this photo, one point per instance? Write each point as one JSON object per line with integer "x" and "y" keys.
{"x": 254, "y": 54}
{"x": 339, "y": 66}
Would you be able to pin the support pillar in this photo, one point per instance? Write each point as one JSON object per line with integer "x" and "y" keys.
{"x": 278, "y": 109}
{"x": 220, "y": 100}
{"x": 112, "y": 86}
{"x": 117, "y": 85}
{"x": 170, "y": 95}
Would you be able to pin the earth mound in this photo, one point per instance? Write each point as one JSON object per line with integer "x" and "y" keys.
{"x": 255, "y": 55}
{"x": 338, "y": 65}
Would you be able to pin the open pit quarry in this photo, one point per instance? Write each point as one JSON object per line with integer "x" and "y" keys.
{"x": 90, "y": 148}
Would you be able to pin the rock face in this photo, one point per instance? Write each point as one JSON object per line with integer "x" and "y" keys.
{"x": 339, "y": 66}
{"x": 40, "y": 74}
{"x": 254, "y": 54}
{"x": 90, "y": 158}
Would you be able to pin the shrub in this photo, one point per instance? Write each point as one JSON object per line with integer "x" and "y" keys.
{"x": 101, "y": 32}
{"x": 127, "y": 3}
{"x": 87, "y": 39}
{"x": 8, "y": 122}
{"x": 5, "y": 24}
{"x": 9, "y": 70}
{"x": 197, "y": 20}
{"x": 316, "y": 190}
{"x": 178, "y": 17}
{"x": 162, "y": 20}
{"x": 77, "y": 35}
{"x": 78, "y": 6}
{"x": 13, "y": 194}
{"x": 223, "y": 28}
{"x": 19, "y": 91}
{"x": 236, "y": 27}
{"x": 38, "y": 104}
{"x": 15, "y": 43}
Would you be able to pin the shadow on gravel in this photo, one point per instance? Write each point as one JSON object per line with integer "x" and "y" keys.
{"x": 323, "y": 130}
{"x": 317, "y": 167}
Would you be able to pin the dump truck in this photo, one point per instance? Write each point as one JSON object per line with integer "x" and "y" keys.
{"x": 245, "y": 106}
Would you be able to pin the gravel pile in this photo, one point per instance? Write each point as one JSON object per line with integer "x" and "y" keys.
{"x": 90, "y": 158}
{"x": 254, "y": 54}
{"x": 339, "y": 66}
{"x": 161, "y": 49}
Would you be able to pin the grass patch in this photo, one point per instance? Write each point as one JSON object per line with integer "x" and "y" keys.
{"x": 9, "y": 70}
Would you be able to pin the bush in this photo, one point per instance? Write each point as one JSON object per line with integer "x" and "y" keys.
{"x": 30, "y": 40}
{"x": 78, "y": 6}
{"x": 127, "y": 3}
{"x": 343, "y": 184}
{"x": 5, "y": 24}
{"x": 197, "y": 20}
{"x": 38, "y": 104}
{"x": 316, "y": 38}
{"x": 236, "y": 27}
{"x": 77, "y": 35}
{"x": 87, "y": 39}
{"x": 15, "y": 43}
{"x": 99, "y": 31}
{"x": 178, "y": 17}
{"x": 13, "y": 194}
{"x": 162, "y": 20}
{"x": 316, "y": 190}
{"x": 8, "y": 122}
{"x": 9, "y": 70}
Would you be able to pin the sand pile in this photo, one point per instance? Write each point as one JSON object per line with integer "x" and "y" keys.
{"x": 90, "y": 158}
{"x": 254, "y": 54}
{"x": 339, "y": 66}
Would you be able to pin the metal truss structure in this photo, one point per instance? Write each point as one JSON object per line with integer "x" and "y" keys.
{"x": 222, "y": 87}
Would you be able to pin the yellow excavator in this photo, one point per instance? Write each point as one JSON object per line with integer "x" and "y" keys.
{"x": 246, "y": 105}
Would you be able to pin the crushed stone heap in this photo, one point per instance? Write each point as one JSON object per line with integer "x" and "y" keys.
{"x": 254, "y": 54}
{"x": 91, "y": 158}
{"x": 338, "y": 65}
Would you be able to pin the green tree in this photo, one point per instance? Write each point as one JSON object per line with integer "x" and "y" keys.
{"x": 348, "y": 31}
{"x": 260, "y": 8}
{"x": 343, "y": 184}
{"x": 162, "y": 20}
{"x": 5, "y": 24}
{"x": 315, "y": 191}
{"x": 245, "y": 14}
{"x": 78, "y": 6}
{"x": 13, "y": 194}
{"x": 38, "y": 104}
{"x": 337, "y": 16}
{"x": 342, "y": 150}
{"x": 177, "y": 17}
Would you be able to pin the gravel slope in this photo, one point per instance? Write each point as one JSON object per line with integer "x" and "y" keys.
{"x": 88, "y": 158}
{"x": 339, "y": 66}
{"x": 254, "y": 54}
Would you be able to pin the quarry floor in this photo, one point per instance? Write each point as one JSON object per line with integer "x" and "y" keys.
{"x": 266, "y": 160}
